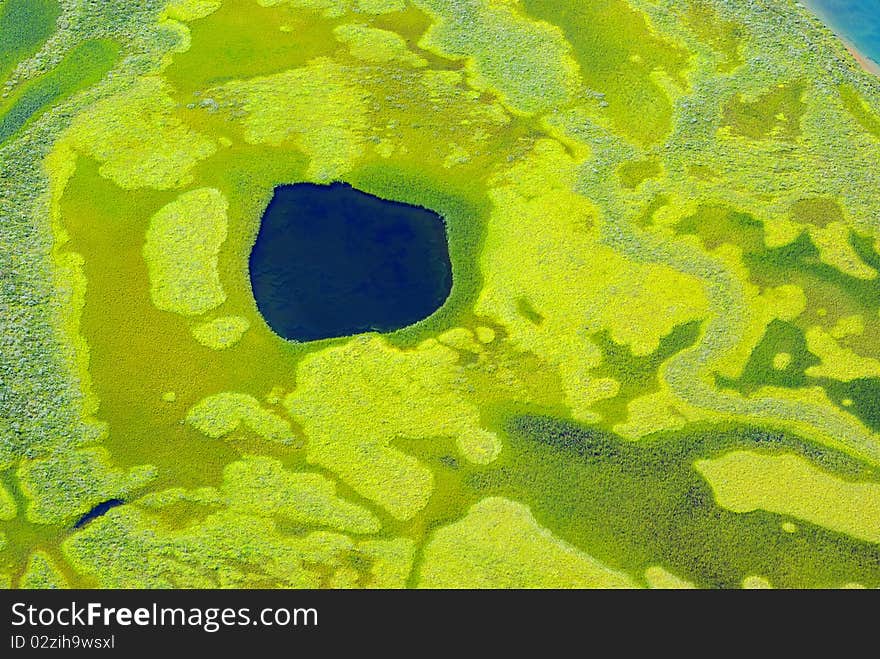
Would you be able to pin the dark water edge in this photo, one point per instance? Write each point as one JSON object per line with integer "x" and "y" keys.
{"x": 97, "y": 511}
{"x": 331, "y": 261}
{"x": 855, "y": 21}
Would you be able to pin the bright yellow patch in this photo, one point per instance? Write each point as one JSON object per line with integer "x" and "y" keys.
{"x": 263, "y": 486}
{"x": 221, "y": 333}
{"x": 781, "y": 360}
{"x": 499, "y": 544}
{"x": 318, "y": 109}
{"x": 378, "y": 46}
{"x": 838, "y": 362}
{"x": 788, "y": 484}
{"x": 190, "y": 10}
{"x": 8, "y": 509}
{"x": 754, "y": 582}
{"x": 352, "y": 401}
{"x": 139, "y": 140}
{"x": 658, "y": 577}
{"x": 181, "y": 249}
{"x": 221, "y": 414}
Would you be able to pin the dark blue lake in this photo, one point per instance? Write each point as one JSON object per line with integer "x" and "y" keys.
{"x": 857, "y": 21}
{"x": 330, "y": 261}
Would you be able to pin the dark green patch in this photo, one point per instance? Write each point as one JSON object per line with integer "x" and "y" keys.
{"x": 779, "y": 336}
{"x": 525, "y": 309}
{"x": 776, "y": 113}
{"x": 799, "y": 263}
{"x": 635, "y": 172}
{"x": 634, "y": 505}
{"x": 716, "y": 225}
{"x": 723, "y": 36}
{"x": 859, "y": 397}
{"x": 862, "y": 397}
{"x": 83, "y": 66}
{"x": 818, "y": 211}
{"x": 242, "y": 40}
{"x": 636, "y": 374}
{"x": 24, "y": 26}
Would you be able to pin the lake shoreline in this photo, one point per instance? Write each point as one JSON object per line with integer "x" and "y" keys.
{"x": 865, "y": 61}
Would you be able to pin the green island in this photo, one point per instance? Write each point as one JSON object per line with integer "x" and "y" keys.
{"x": 658, "y": 364}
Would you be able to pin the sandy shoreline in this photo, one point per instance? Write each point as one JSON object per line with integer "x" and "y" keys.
{"x": 867, "y": 63}
{"x": 864, "y": 61}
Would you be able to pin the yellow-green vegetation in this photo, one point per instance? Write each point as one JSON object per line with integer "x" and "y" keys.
{"x": 221, "y": 414}
{"x": 775, "y": 113}
{"x": 379, "y": 46}
{"x": 181, "y": 249}
{"x": 262, "y": 485}
{"x": 498, "y": 544}
{"x": 432, "y": 404}
{"x": 790, "y": 485}
{"x": 221, "y": 333}
{"x": 41, "y": 573}
{"x": 657, "y": 577}
{"x": 658, "y": 365}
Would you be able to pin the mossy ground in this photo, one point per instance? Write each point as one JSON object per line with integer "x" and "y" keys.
{"x": 663, "y": 321}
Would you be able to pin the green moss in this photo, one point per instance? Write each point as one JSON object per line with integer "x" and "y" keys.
{"x": 617, "y": 53}
{"x": 631, "y": 506}
{"x": 722, "y": 35}
{"x": 84, "y": 65}
{"x": 572, "y": 297}
{"x": 522, "y": 60}
{"x": 24, "y": 25}
{"x": 635, "y": 172}
{"x": 774, "y": 114}
{"x": 860, "y": 111}
{"x": 817, "y": 211}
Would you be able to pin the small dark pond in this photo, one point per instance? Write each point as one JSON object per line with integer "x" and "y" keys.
{"x": 97, "y": 511}
{"x": 332, "y": 261}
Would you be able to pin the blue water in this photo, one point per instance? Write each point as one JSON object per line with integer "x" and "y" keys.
{"x": 857, "y": 21}
{"x": 333, "y": 261}
{"x": 97, "y": 511}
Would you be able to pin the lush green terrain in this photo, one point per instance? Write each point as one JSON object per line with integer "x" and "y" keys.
{"x": 659, "y": 364}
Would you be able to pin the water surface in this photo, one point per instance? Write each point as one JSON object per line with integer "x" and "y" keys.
{"x": 856, "y": 21}
{"x": 330, "y": 261}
